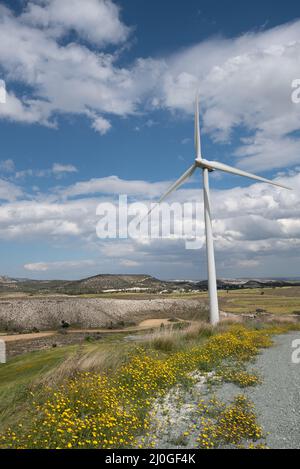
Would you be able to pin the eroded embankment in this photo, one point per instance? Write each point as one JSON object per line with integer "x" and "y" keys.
{"x": 47, "y": 313}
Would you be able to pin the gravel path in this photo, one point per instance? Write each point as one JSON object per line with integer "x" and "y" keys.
{"x": 175, "y": 421}
{"x": 277, "y": 399}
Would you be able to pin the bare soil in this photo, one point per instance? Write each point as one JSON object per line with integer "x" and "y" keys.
{"x": 18, "y": 344}
{"x": 44, "y": 314}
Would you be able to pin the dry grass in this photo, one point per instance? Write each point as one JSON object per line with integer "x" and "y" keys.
{"x": 97, "y": 411}
{"x": 108, "y": 357}
{"x": 276, "y": 301}
{"x": 94, "y": 358}
{"x": 171, "y": 338}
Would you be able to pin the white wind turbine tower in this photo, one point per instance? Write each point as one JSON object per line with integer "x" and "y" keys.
{"x": 207, "y": 166}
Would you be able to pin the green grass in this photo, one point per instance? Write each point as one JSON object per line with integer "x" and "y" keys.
{"x": 277, "y": 301}
{"x": 19, "y": 373}
{"x": 57, "y": 419}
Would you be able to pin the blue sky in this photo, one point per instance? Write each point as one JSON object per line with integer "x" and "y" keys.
{"x": 108, "y": 91}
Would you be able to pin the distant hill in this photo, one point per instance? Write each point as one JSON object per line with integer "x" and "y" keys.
{"x": 110, "y": 283}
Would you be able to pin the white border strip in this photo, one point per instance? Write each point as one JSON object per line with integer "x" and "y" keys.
{"x": 2, "y": 352}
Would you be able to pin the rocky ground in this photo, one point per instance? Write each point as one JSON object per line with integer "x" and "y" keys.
{"x": 277, "y": 398}
{"x": 47, "y": 313}
{"x": 175, "y": 421}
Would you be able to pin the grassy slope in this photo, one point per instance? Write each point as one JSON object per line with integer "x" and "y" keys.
{"x": 19, "y": 372}
{"x": 17, "y": 376}
{"x": 152, "y": 373}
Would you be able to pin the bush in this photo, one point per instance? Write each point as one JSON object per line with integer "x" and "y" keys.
{"x": 109, "y": 410}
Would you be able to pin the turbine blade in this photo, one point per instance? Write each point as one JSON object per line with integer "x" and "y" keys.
{"x": 197, "y": 130}
{"x": 173, "y": 187}
{"x": 178, "y": 183}
{"x": 239, "y": 172}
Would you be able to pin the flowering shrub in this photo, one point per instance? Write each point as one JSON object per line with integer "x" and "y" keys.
{"x": 233, "y": 424}
{"x": 239, "y": 377}
{"x": 95, "y": 410}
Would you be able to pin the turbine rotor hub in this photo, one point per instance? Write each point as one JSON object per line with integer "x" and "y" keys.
{"x": 204, "y": 164}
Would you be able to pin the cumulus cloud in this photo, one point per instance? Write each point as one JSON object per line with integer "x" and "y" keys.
{"x": 254, "y": 227}
{"x": 32, "y": 219}
{"x": 60, "y": 265}
{"x": 96, "y": 21}
{"x": 101, "y": 125}
{"x": 9, "y": 191}
{"x": 24, "y": 110}
{"x": 7, "y": 166}
{"x": 244, "y": 82}
{"x": 71, "y": 78}
{"x": 114, "y": 185}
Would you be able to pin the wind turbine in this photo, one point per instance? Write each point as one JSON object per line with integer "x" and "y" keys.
{"x": 208, "y": 166}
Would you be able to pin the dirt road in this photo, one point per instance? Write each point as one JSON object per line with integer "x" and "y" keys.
{"x": 144, "y": 325}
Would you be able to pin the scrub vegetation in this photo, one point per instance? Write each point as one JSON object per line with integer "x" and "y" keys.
{"x": 106, "y": 404}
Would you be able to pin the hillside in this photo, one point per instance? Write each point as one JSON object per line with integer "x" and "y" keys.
{"x": 112, "y": 283}
{"x": 31, "y": 314}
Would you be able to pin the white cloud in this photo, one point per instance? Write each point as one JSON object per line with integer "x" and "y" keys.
{"x": 60, "y": 265}
{"x": 96, "y": 21}
{"x": 101, "y": 125}
{"x": 244, "y": 82}
{"x": 37, "y": 267}
{"x": 9, "y": 191}
{"x": 24, "y": 110}
{"x": 256, "y": 228}
{"x": 114, "y": 185}
{"x": 59, "y": 168}
{"x": 7, "y": 166}
{"x": 248, "y": 263}
{"x": 51, "y": 220}
{"x": 71, "y": 78}
{"x": 129, "y": 263}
